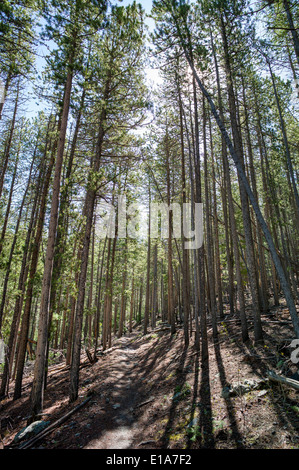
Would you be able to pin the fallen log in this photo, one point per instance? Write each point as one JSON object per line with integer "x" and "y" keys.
{"x": 146, "y": 442}
{"x": 49, "y": 429}
{"x": 251, "y": 320}
{"x": 145, "y": 402}
{"x": 281, "y": 379}
{"x": 164, "y": 328}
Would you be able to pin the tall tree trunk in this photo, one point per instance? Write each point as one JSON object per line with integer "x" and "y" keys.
{"x": 200, "y": 252}
{"x": 32, "y": 271}
{"x": 5, "y": 90}
{"x": 287, "y": 8}
{"x": 89, "y": 211}
{"x": 155, "y": 287}
{"x": 283, "y": 280}
{"x": 147, "y": 294}
{"x": 185, "y": 273}
{"x": 261, "y": 257}
{"x": 131, "y": 304}
{"x": 21, "y": 282}
{"x": 61, "y": 225}
{"x": 210, "y": 264}
{"x": 37, "y": 392}
{"x": 171, "y": 314}
{"x": 9, "y": 142}
{"x": 7, "y": 213}
{"x": 234, "y": 236}
{"x": 98, "y": 303}
{"x": 123, "y": 292}
{"x": 216, "y": 230}
{"x": 286, "y": 146}
{"x": 258, "y": 334}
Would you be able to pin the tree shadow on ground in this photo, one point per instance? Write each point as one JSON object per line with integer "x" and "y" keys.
{"x": 206, "y": 417}
{"x": 194, "y": 399}
{"x": 260, "y": 367}
{"x": 180, "y": 380}
{"x": 236, "y": 435}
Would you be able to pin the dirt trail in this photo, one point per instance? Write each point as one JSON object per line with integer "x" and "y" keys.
{"x": 122, "y": 401}
{"x": 111, "y": 419}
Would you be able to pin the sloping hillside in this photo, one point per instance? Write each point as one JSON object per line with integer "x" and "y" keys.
{"x": 150, "y": 392}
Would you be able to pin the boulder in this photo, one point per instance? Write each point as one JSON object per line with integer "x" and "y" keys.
{"x": 29, "y": 431}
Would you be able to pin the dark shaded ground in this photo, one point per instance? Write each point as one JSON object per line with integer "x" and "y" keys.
{"x": 149, "y": 392}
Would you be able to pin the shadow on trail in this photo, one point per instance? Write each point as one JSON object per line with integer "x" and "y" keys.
{"x": 206, "y": 419}
{"x": 194, "y": 398}
{"x": 228, "y": 402}
{"x": 180, "y": 380}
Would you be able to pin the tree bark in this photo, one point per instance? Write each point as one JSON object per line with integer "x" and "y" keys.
{"x": 37, "y": 392}
{"x": 239, "y": 167}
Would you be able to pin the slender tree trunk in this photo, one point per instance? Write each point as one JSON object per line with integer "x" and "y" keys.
{"x": 98, "y": 303}
{"x": 286, "y": 146}
{"x": 32, "y": 271}
{"x": 6, "y": 86}
{"x": 16, "y": 315}
{"x": 147, "y": 294}
{"x": 287, "y": 7}
{"x": 9, "y": 142}
{"x": 216, "y": 231}
{"x": 263, "y": 277}
{"x": 123, "y": 293}
{"x": 171, "y": 315}
{"x": 140, "y": 301}
{"x": 63, "y": 326}
{"x": 115, "y": 316}
{"x": 155, "y": 287}
{"x": 258, "y": 335}
{"x": 233, "y": 228}
{"x": 110, "y": 293}
{"x": 89, "y": 205}
{"x": 210, "y": 263}
{"x": 185, "y": 273}
{"x": 7, "y": 213}
{"x": 239, "y": 167}
{"x": 37, "y": 392}
{"x": 61, "y": 226}
{"x": 132, "y": 304}
{"x": 200, "y": 251}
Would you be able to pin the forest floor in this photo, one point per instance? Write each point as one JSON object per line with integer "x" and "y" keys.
{"x": 149, "y": 392}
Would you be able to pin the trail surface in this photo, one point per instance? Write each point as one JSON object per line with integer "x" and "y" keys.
{"x": 120, "y": 404}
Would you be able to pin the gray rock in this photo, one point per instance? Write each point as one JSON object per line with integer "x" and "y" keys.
{"x": 192, "y": 423}
{"x": 262, "y": 393}
{"x": 32, "y": 430}
{"x": 240, "y": 388}
{"x": 176, "y": 396}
